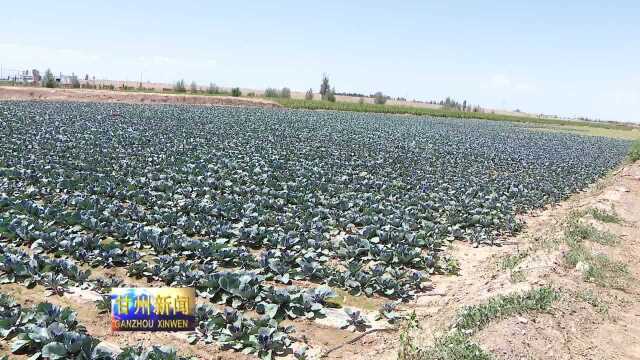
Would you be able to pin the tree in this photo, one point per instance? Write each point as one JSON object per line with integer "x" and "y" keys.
{"x": 285, "y": 93}
{"x": 331, "y": 95}
{"x": 236, "y": 92}
{"x": 309, "y": 95}
{"x": 379, "y": 98}
{"x": 271, "y": 93}
{"x": 179, "y": 86}
{"x": 75, "y": 83}
{"x": 213, "y": 89}
{"x": 324, "y": 87}
{"x": 49, "y": 80}
{"x": 194, "y": 87}
{"x": 36, "y": 76}
{"x": 464, "y": 105}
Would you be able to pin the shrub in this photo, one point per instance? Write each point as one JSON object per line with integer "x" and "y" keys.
{"x": 309, "y": 95}
{"x": 236, "y": 92}
{"x": 634, "y": 152}
{"x": 331, "y": 96}
{"x": 271, "y": 93}
{"x": 48, "y": 80}
{"x": 213, "y": 89}
{"x": 324, "y": 87}
{"x": 75, "y": 83}
{"x": 179, "y": 86}
{"x": 379, "y": 98}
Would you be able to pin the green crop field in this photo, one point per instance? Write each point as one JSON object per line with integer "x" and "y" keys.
{"x": 264, "y": 211}
{"x": 422, "y": 111}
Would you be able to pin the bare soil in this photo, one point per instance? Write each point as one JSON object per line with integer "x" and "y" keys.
{"x": 88, "y": 95}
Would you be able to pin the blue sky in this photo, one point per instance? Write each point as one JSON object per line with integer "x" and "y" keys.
{"x": 556, "y": 57}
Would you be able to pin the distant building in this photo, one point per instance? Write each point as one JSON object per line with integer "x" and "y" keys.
{"x": 22, "y": 76}
{"x": 65, "y": 80}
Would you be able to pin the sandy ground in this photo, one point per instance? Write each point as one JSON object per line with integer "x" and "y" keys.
{"x": 26, "y": 93}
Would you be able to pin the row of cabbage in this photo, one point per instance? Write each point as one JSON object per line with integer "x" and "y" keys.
{"x": 314, "y": 192}
{"x": 241, "y": 203}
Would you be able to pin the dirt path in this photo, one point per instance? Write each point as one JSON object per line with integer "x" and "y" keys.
{"x": 88, "y": 95}
{"x": 588, "y": 322}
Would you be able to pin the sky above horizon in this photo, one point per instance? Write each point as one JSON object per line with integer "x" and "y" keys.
{"x": 570, "y": 58}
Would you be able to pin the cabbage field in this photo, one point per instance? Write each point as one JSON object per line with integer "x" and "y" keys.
{"x": 264, "y": 211}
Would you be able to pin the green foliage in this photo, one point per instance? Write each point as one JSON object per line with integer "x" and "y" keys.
{"x": 593, "y": 299}
{"x": 150, "y": 353}
{"x": 596, "y": 268}
{"x": 454, "y": 346}
{"x": 47, "y": 329}
{"x": 325, "y": 88}
{"x": 604, "y": 215}
{"x": 446, "y": 113}
{"x": 330, "y": 96}
{"x": 389, "y": 313}
{"x": 355, "y": 320}
{"x": 379, "y": 98}
{"x": 285, "y": 93}
{"x": 450, "y": 265}
{"x": 509, "y": 262}
{"x": 578, "y": 231}
{"x": 213, "y": 89}
{"x": 518, "y": 276}
{"x": 48, "y": 80}
{"x": 75, "y": 83}
{"x": 179, "y": 86}
{"x": 452, "y": 104}
{"x": 474, "y": 318}
{"x": 634, "y": 151}
{"x": 103, "y": 305}
{"x": 236, "y": 92}
{"x": 231, "y": 330}
{"x": 309, "y": 95}
{"x": 394, "y": 214}
{"x": 608, "y": 273}
{"x": 326, "y": 92}
{"x": 271, "y": 93}
{"x": 457, "y": 344}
